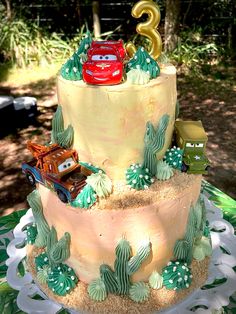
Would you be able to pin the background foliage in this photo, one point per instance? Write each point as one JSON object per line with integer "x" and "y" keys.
{"x": 41, "y": 32}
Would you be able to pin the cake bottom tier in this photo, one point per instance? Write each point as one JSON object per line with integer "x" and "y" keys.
{"x": 160, "y": 299}
{"x": 158, "y": 215}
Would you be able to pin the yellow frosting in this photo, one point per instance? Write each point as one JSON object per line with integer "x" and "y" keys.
{"x": 109, "y": 121}
{"x": 96, "y": 232}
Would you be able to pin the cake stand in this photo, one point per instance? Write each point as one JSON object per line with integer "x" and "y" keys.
{"x": 215, "y": 294}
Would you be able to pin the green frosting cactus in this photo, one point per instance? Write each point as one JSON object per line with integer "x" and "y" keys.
{"x": 202, "y": 248}
{"x": 173, "y": 157}
{"x": 139, "y": 292}
{"x": 86, "y": 198}
{"x": 72, "y": 69}
{"x": 43, "y": 229}
{"x": 84, "y": 44}
{"x": 138, "y": 178}
{"x": 62, "y": 279}
{"x": 101, "y": 183}
{"x": 176, "y": 276}
{"x": 57, "y": 124}
{"x": 136, "y": 261}
{"x": 31, "y": 234}
{"x": 108, "y": 277}
{"x": 62, "y": 137}
{"x": 154, "y": 141}
{"x": 97, "y": 290}
{"x": 42, "y": 274}
{"x": 123, "y": 252}
{"x": 142, "y": 60}
{"x": 60, "y": 251}
{"x": 41, "y": 260}
{"x": 118, "y": 281}
{"x": 65, "y": 139}
{"x": 196, "y": 227}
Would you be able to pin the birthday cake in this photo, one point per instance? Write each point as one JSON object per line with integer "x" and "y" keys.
{"x": 120, "y": 225}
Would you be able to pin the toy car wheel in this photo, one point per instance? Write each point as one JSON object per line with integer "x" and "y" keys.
{"x": 62, "y": 196}
{"x": 30, "y": 178}
{"x": 184, "y": 167}
{"x": 208, "y": 168}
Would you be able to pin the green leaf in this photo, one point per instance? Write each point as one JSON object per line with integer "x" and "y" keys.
{"x": 216, "y": 283}
{"x": 10, "y": 221}
{"x": 3, "y": 256}
{"x": 3, "y": 270}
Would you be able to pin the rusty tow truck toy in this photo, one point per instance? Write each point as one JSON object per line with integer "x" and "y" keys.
{"x": 56, "y": 168}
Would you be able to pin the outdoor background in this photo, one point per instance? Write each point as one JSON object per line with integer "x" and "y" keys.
{"x": 36, "y": 37}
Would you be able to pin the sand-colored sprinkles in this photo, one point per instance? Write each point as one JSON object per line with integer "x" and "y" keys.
{"x": 79, "y": 300}
{"x": 124, "y": 197}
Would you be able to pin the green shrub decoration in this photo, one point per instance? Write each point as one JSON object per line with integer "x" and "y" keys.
{"x": 101, "y": 183}
{"x": 154, "y": 141}
{"x": 72, "y": 69}
{"x": 31, "y": 234}
{"x": 174, "y": 157}
{"x": 155, "y": 280}
{"x": 164, "y": 171}
{"x": 62, "y": 279}
{"x": 138, "y": 178}
{"x": 176, "y": 276}
{"x": 86, "y": 198}
{"x": 41, "y": 260}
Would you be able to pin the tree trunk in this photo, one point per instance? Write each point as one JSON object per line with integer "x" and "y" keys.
{"x": 96, "y": 21}
{"x": 172, "y": 24}
{"x": 78, "y": 11}
{"x": 7, "y": 5}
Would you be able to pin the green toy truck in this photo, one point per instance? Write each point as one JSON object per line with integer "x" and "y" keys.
{"x": 191, "y": 138}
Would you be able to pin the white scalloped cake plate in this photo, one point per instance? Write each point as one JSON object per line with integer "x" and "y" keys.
{"x": 200, "y": 301}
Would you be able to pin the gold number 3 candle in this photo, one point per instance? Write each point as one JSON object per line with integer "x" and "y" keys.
{"x": 148, "y": 28}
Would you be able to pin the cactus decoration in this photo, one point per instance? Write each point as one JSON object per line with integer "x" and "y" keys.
{"x": 196, "y": 225}
{"x": 86, "y": 198}
{"x": 43, "y": 229}
{"x": 62, "y": 137}
{"x": 31, "y": 234}
{"x": 72, "y": 69}
{"x": 155, "y": 280}
{"x": 176, "y": 275}
{"x": 84, "y": 44}
{"x": 164, "y": 171}
{"x": 174, "y": 157}
{"x": 154, "y": 142}
{"x": 101, "y": 183}
{"x": 139, "y": 292}
{"x": 138, "y": 177}
{"x": 91, "y": 167}
{"x": 118, "y": 281}
{"x": 57, "y": 251}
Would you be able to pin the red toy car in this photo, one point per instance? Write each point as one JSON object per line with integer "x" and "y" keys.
{"x": 105, "y": 63}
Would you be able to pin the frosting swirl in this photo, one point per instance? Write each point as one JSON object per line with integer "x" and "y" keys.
{"x": 156, "y": 280}
{"x": 101, "y": 183}
{"x": 97, "y": 290}
{"x": 164, "y": 171}
{"x": 139, "y": 292}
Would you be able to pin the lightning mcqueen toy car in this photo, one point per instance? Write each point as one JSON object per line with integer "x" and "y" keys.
{"x": 105, "y": 63}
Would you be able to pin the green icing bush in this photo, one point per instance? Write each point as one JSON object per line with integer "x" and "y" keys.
{"x": 176, "y": 275}
{"x": 174, "y": 157}
{"x": 62, "y": 279}
{"x": 138, "y": 177}
{"x": 31, "y": 234}
{"x": 139, "y": 292}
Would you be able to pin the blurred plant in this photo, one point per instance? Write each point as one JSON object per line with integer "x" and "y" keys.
{"x": 24, "y": 44}
{"x": 193, "y": 51}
